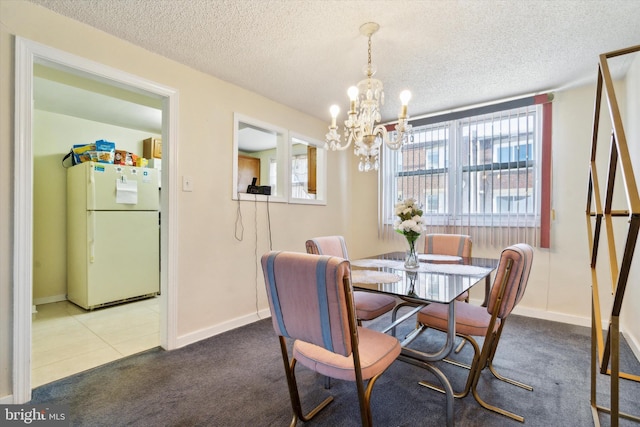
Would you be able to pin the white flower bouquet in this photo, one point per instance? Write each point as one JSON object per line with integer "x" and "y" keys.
{"x": 410, "y": 222}
{"x": 411, "y": 225}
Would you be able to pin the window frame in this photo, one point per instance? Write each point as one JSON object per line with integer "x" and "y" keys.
{"x": 281, "y": 150}
{"x": 454, "y": 214}
{"x": 321, "y": 170}
{"x": 277, "y": 160}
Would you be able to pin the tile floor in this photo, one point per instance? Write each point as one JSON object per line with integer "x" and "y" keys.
{"x": 67, "y": 339}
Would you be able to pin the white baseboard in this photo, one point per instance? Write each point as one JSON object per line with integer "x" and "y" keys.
{"x": 522, "y": 311}
{"x": 571, "y": 320}
{"x": 6, "y": 400}
{"x": 547, "y": 315}
{"x": 553, "y": 316}
{"x": 49, "y": 300}
{"x": 202, "y": 334}
{"x": 633, "y": 343}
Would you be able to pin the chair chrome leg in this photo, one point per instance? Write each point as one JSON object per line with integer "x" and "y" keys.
{"x": 492, "y": 353}
{"x": 485, "y": 360}
{"x": 460, "y": 346}
{"x": 430, "y": 386}
{"x": 471, "y": 368}
{"x": 458, "y": 364}
{"x": 508, "y": 380}
{"x": 394, "y": 314}
{"x": 290, "y": 371}
{"x": 317, "y": 409}
{"x": 367, "y": 401}
{"x": 495, "y": 408}
{"x": 327, "y": 383}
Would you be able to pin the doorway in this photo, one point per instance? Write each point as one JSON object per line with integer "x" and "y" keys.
{"x": 28, "y": 54}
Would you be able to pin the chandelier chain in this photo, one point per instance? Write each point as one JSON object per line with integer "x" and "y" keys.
{"x": 369, "y": 61}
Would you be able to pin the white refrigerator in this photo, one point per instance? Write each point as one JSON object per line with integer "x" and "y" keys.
{"x": 113, "y": 234}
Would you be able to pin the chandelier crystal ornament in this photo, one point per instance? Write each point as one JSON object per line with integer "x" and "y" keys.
{"x": 362, "y": 126}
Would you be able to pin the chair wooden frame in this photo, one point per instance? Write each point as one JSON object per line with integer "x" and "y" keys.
{"x": 483, "y": 357}
{"x": 364, "y": 388}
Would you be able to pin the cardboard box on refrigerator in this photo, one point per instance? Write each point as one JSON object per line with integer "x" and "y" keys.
{"x": 155, "y": 163}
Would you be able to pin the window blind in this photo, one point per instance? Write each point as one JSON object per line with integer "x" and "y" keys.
{"x": 475, "y": 172}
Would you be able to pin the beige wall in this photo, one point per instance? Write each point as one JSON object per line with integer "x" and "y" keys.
{"x": 218, "y": 276}
{"x": 53, "y": 136}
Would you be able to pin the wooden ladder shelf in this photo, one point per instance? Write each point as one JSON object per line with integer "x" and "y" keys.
{"x": 608, "y": 352}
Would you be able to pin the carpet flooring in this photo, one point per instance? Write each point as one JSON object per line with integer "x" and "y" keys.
{"x": 237, "y": 379}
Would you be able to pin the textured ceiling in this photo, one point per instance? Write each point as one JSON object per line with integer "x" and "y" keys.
{"x": 306, "y": 53}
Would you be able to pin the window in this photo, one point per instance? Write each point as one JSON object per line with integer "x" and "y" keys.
{"x": 472, "y": 174}
{"x": 433, "y": 203}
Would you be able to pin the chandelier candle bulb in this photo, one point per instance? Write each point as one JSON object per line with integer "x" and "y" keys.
{"x": 334, "y": 110}
{"x": 353, "y": 96}
{"x": 405, "y": 97}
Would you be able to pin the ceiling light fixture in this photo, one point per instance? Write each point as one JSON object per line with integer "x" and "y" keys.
{"x": 361, "y": 126}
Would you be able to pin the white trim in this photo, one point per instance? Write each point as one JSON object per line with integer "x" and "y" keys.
{"x": 6, "y": 400}
{"x": 169, "y": 225}
{"x": 220, "y": 328}
{"x": 547, "y": 315}
{"x": 282, "y": 158}
{"x": 553, "y": 316}
{"x": 635, "y": 345}
{"x": 27, "y": 53}
{"x": 23, "y": 223}
{"x": 571, "y": 320}
{"x": 321, "y": 171}
{"x": 49, "y": 300}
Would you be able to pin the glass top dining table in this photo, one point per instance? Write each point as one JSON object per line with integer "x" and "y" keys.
{"x": 439, "y": 278}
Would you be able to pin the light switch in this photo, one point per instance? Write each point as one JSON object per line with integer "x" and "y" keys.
{"x": 187, "y": 183}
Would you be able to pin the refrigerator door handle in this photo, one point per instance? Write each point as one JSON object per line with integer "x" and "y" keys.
{"x": 91, "y": 191}
{"x": 92, "y": 236}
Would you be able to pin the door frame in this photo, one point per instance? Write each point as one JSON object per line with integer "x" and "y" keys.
{"x": 27, "y": 53}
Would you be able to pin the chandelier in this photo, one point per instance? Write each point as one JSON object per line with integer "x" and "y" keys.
{"x": 362, "y": 126}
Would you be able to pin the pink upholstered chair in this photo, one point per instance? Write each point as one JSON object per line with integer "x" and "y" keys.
{"x": 369, "y": 305}
{"x": 311, "y": 302}
{"x": 443, "y": 244}
{"x": 508, "y": 288}
{"x": 449, "y": 244}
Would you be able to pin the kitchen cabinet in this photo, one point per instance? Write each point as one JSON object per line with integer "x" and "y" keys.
{"x": 152, "y": 148}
